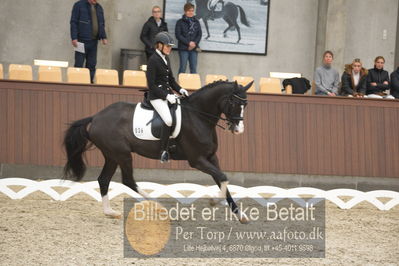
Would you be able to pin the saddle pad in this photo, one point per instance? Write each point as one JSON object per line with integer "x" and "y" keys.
{"x": 142, "y": 127}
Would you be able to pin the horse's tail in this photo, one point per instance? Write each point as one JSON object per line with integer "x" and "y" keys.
{"x": 243, "y": 17}
{"x": 75, "y": 142}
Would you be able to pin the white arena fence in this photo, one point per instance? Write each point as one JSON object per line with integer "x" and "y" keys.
{"x": 198, "y": 191}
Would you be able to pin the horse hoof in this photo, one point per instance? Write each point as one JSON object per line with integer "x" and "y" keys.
{"x": 214, "y": 202}
{"x": 243, "y": 218}
{"x": 113, "y": 215}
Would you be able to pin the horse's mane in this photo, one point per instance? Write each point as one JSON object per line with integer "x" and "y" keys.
{"x": 210, "y": 86}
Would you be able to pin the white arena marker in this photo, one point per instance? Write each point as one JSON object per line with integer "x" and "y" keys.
{"x": 199, "y": 191}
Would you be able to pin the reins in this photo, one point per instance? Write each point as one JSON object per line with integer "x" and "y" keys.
{"x": 206, "y": 114}
{"x": 229, "y": 120}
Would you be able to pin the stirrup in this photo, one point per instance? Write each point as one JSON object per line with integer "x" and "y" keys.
{"x": 164, "y": 157}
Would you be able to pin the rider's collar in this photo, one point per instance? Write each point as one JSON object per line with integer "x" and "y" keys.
{"x": 162, "y": 56}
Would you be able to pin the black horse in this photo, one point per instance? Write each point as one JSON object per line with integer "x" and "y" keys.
{"x": 229, "y": 13}
{"x": 111, "y": 131}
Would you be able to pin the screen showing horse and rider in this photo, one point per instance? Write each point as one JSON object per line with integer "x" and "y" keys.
{"x": 233, "y": 26}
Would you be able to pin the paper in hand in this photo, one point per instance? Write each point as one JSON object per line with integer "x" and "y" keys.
{"x": 80, "y": 48}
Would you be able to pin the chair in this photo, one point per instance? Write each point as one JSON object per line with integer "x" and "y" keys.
{"x": 212, "y": 78}
{"x": 78, "y": 75}
{"x": 313, "y": 92}
{"x": 244, "y": 80}
{"x": 1, "y": 71}
{"x": 288, "y": 89}
{"x": 20, "y": 72}
{"x": 134, "y": 78}
{"x": 106, "y": 77}
{"x": 270, "y": 85}
{"x": 190, "y": 81}
{"x": 50, "y": 74}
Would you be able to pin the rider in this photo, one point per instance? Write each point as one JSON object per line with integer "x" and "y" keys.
{"x": 160, "y": 82}
{"x": 213, "y": 4}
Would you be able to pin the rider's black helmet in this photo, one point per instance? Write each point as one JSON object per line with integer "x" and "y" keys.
{"x": 164, "y": 37}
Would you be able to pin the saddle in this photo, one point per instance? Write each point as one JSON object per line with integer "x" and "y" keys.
{"x": 147, "y": 123}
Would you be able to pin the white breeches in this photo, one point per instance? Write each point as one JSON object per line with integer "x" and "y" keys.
{"x": 161, "y": 106}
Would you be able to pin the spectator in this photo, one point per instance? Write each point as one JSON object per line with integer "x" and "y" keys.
{"x": 87, "y": 27}
{"x": 154, "y": 25}
{"x": 326, "y": 77}
{"x": 188, "y": 33}
{"x": 353, "y": 81}
{"x": 395, "y": 83}
{"x": 378, "y": 80}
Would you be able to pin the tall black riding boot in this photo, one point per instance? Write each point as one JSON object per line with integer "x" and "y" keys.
{"x": 165, "y": 134}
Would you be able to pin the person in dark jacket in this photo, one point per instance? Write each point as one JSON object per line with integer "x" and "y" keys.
{"x": 154, "y": 25}
{"x": 161, "y": 84}
{"x": 188, "y": 33}
{"x": 353, "y": 81}
{"x": 395, "y": 83}
{"x": 378, "y": 80}
{"x": 87, "y": 27}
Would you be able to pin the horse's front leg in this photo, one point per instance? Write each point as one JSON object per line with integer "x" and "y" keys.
{"x": 207, "y": 28}
{"x": 211, "y": 166}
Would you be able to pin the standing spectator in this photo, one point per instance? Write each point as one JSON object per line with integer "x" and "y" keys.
{"x": 378, "y": 80}
{"x": 154, "y": 25}
{"x": 326, "y": 77}
{"x": 188, "y": 33}
{"x": 354, "y": 79}
{"x": 87, "y": 26}
{"x": 395, "y": 83}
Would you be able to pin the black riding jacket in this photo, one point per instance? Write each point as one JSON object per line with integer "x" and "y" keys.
{"x": 160, "y": 78}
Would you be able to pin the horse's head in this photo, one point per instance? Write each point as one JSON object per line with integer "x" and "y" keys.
{"x": 233, "y": 107}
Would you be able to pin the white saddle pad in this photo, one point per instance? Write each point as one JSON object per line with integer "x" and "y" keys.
{"x": 141, "y": 127}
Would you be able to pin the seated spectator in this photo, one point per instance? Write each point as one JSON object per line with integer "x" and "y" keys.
{"x": 353, "y": 81}
{"x": 395, "y": 83}
{"x": 327, "y": 77}
{"x": 152, "y": 27}
{"x": 378, "y": 80}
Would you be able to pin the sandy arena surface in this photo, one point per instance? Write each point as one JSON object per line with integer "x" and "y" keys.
{"x": 38, "y": 230}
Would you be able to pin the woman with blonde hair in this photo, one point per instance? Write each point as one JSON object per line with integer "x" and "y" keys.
{"x": 378, "y": 80}
{"x": 354, "y": 80}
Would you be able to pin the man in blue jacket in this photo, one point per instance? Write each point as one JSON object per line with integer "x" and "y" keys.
{"x": 87, "y": 27}
{"x": 188, "y": 33}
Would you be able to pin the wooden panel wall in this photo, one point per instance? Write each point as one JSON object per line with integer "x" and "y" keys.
{"x": 283, "y": 133}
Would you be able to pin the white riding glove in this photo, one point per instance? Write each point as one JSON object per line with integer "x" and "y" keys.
{"x": 171, "y": 98}
{"x": 184, "y": 92}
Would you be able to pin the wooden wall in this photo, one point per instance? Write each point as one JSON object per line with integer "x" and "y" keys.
{"x": 283, "y": 133}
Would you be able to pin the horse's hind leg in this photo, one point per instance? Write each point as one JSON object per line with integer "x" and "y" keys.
{"x": 104, "y": 180}
{"x": 238, "y": 31}
{"x": 125, "y": 163}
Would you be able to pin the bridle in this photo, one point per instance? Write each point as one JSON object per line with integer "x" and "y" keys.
{"x": 230, "y": 104}
{"x": 233, "y": 101}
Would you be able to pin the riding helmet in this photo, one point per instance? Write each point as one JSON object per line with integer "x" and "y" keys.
{"x": 165, "y": 38}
